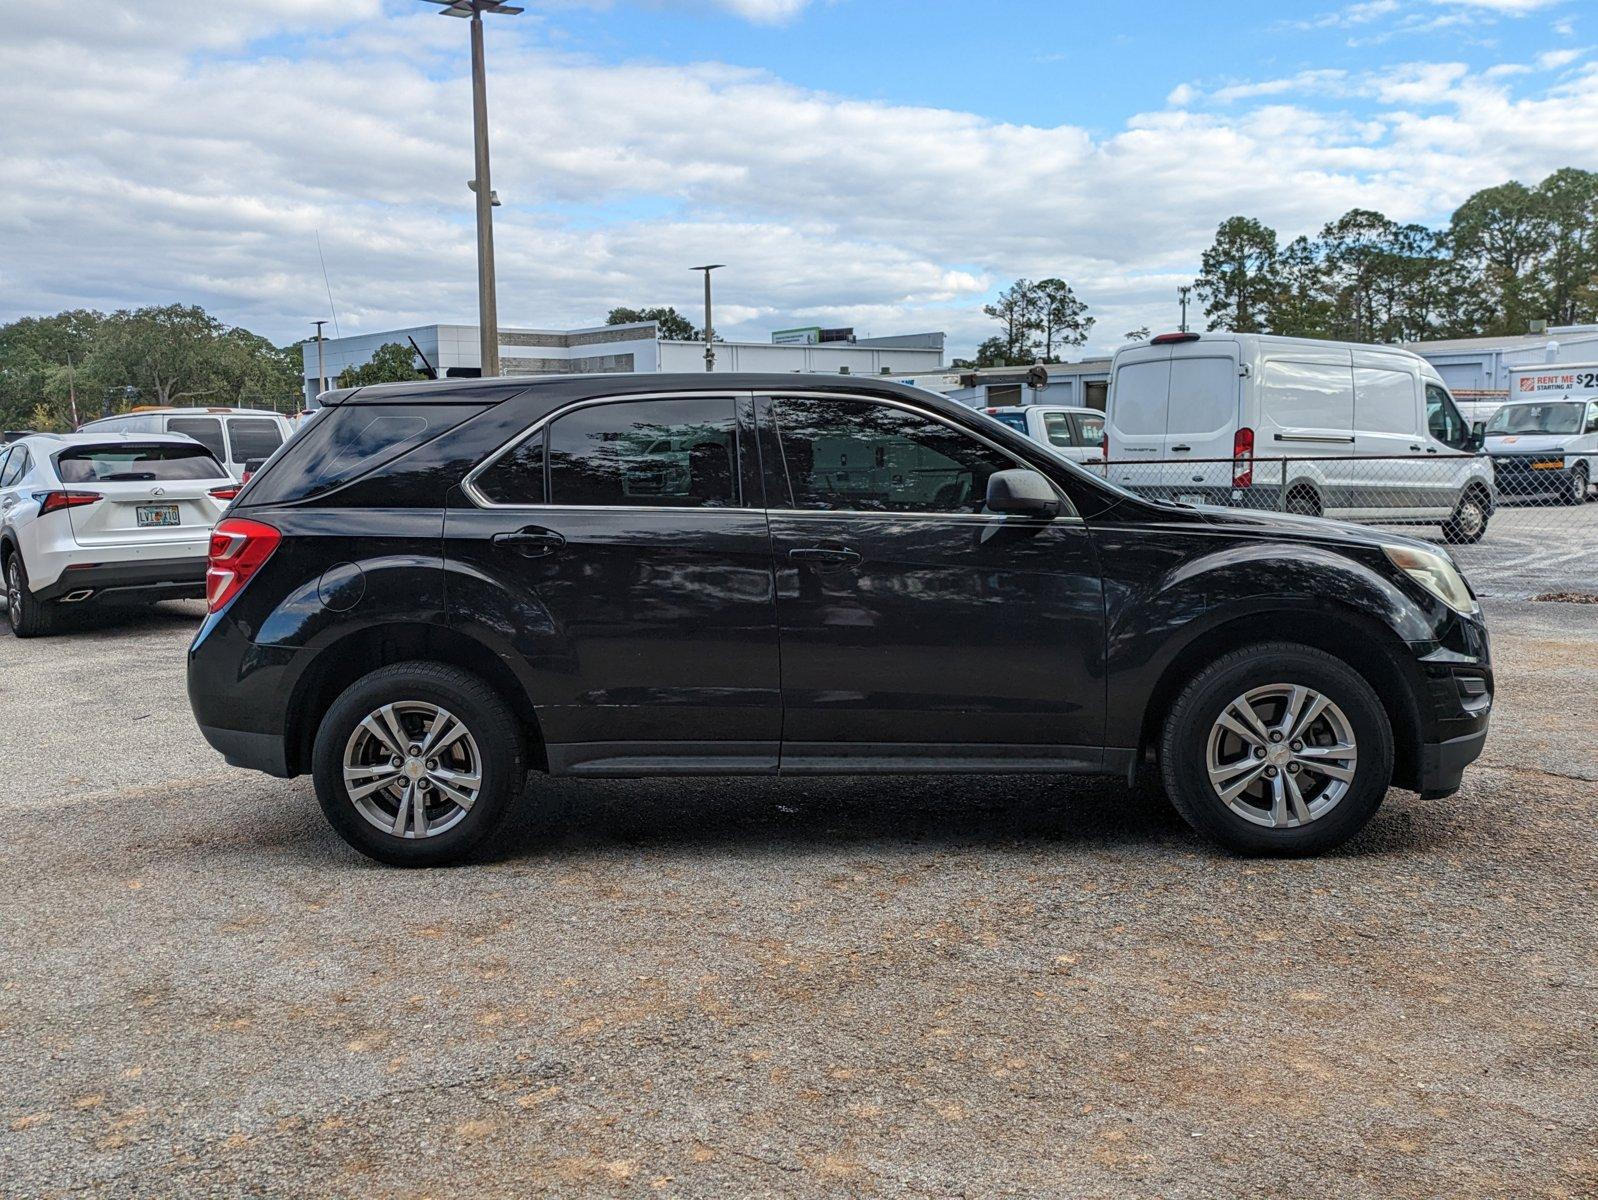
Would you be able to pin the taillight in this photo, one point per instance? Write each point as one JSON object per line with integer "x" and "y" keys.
{"x": 1104, "y": 446}
{"x": 1243, "y": 458}
{"x": 228, "y": 492}
{"x": 50, "y": 501}
{"x": 239, "y": 548}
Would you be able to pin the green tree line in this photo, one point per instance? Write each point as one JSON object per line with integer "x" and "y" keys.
{"x": 74, "y": 366}
{"x": 1509, "y": 255}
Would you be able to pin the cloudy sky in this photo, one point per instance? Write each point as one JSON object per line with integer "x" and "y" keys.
{"x": 883, "y": 165}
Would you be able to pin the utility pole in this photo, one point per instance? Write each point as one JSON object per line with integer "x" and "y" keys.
{"x": 482, "y": 185}
{"x": 72, "y": 390}
{"x": 1184, "y": 292}
{"x": 321, "y": 370}
{"x": 710, "y": 330}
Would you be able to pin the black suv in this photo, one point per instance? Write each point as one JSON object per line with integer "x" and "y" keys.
{"x": 437, "y": 587}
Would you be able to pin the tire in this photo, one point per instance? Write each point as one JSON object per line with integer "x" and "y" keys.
{"x": 1468, "y": 525}
{"x": 491, "y": 750}
{"x": 27, "y": 616}
{"x": 1576, "y": 492}
{"x": 1338, "y": 809}
{"x": 1303, "y": 502}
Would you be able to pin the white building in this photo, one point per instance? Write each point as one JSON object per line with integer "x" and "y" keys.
{"x": 1082, "y": 384}
{"x": 1477, "y": 369}
{"x": 452, "y": 350}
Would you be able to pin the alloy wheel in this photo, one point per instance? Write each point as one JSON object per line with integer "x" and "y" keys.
{"x": 412, "y": 769}
{"x": 1281, "y": 755}
{"x": 14, "y": 592}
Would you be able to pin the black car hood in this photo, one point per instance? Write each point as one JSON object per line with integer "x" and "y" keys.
{"x": 1275, "y": 524}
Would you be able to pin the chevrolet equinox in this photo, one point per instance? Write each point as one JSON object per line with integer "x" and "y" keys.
{"x": 439, "y": 587}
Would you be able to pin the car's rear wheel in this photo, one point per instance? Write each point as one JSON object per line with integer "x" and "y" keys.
{"x": 418, "y": 763}
{"x": 1277, "y": 749}
{"x": 27, "y": 616}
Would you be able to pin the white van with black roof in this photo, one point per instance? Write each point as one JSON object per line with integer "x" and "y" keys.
{"x": 1336, "y": 429}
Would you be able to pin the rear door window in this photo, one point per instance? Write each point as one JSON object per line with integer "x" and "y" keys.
{"x": 1057, "y": 428}
{"x": 1089, "y": 429}
{"x": 646, "y": 453}
{"x": 125, "y": 463}
{"x": 205, "y": 430}
{"x": 253, "y": 438}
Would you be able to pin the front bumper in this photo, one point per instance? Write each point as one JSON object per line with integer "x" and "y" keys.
{"x": 147, "y": 579}
{"x": 1443, "y": 764}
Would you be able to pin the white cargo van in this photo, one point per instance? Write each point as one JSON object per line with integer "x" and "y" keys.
{"x": 1336, "y": 429}
{"x": 236, "y": 437}
{"x": 1544, "y": 441}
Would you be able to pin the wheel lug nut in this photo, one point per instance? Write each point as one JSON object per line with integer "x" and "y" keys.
{"x": 413, "y": 751}
{"x": 395, "y": 763}
{"x": 1270, "y": 772}
{"x": 1276, "y": 737}
{"x": 1259, "y": 752}
{"x": 1296, "y": 746}
{"x": 1292, "y": 768}
{"x": 432, "y": 764}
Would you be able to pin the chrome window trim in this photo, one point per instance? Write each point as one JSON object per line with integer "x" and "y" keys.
{"x": 475, "y": 495}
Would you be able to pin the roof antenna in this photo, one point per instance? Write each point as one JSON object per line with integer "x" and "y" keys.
{"x": 327, "y": 285}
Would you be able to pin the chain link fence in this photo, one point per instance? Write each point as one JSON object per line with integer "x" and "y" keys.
{"x": 1520, "y": 524}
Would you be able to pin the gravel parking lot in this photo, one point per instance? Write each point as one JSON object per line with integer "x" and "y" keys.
{"x": 724, "y": 988}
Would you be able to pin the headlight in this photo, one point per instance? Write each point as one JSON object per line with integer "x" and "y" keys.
{"x": 1436, "y": 574}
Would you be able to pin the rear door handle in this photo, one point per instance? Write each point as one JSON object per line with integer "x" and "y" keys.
{"x": 834, "y": 555}
{"x": 1180, "y": 449}
{"x": 532, "y": 542}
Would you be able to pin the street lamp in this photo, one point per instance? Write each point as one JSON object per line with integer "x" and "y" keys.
{"x": 710, "y": 331}
{"x": 487, "y": 304}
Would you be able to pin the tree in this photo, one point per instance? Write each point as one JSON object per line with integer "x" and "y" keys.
{"x": 1017, "y": 309}
{"x": 40, "y": 358}
{"x": 1061, "y": 317}
{"x": 1299, "y": 307}
{"x": 991, "y": 353}
{"x": 390, "y": 363}
{"x": 1569, "y": 199}
{"x": 1137, "y": 335}
{"x": 1503, "y": 232}
{"x": 674, "y": 327}
{"x": 1237, "y": 276}
{"x": 165, "y": 354}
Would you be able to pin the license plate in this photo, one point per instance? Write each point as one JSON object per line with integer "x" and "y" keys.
{"x": 1557, "y": 464}
{"x": 157, "y": 515}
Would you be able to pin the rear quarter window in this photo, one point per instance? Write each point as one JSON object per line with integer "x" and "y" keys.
{"x": 350, "y": 441}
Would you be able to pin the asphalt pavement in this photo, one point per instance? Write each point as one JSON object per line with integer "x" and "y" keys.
{"x": 964, "y": 987}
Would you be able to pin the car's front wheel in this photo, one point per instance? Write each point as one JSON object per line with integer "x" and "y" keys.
{"x": 1277, "y": 749}
{"x": 27, "y": 616}
{"x": 418, "y": 763}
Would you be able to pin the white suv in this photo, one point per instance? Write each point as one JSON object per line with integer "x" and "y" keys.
{"x": 85, "y": 517}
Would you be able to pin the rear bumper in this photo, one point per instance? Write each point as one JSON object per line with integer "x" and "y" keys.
{"x": 253, "y": 751}
{"x": 147, "y": 579}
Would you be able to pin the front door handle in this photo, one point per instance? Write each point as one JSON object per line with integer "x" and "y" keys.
{"x": 833, "y": 555}
{"x": 534, "y": 541}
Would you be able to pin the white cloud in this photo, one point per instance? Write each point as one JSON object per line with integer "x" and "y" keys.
{"x": 138, "y": 173}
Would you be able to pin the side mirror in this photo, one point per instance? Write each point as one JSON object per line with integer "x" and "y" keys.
{"x": 1022, "y": 493}
{"x": 1478, "y": 435}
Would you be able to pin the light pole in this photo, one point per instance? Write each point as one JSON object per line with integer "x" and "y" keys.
{"x": 1184, "y": 292}
{"x": 487, "y": 304}
{"x": 321, "y": 371}
{"x": 710, "y": 330}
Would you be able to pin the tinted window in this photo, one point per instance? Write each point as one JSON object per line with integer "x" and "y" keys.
{"x": 517, "y": 476}
{"x": 136, "y": 464}
{"x": 854, "y": 455}
{"x": 347, "y": 441}
{"x": 667, "y": 453}
{"x": 15, "y": 465}
{"x": 1141, "y": 392}
{"x": 1443, "y": 421}
{"x": 1014, "y": 420}
{"x": 205, "y": 430}
{"x": 253, "y": 437}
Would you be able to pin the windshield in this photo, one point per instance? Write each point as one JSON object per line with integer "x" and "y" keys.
{"x": 1536, "y": 418}
{"x": 1014, "y": 420}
